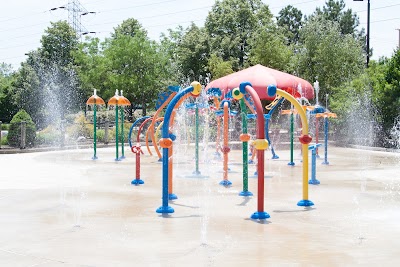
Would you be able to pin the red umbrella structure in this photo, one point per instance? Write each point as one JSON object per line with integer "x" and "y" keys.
{"x": 260, "y": 77}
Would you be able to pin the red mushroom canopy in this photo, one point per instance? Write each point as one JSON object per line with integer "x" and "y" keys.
{"x": 260, "y": 77}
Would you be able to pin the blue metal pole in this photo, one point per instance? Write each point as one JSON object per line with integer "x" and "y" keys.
{"x": 325, "y": 162}
{"x": 274, "y": 156}
{"x": 165, "y": 134}
{"x": 291, "y": 162}
{"x": 313, "y": 149}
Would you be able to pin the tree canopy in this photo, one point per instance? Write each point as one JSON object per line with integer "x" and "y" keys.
{"x": 327, "y": 46}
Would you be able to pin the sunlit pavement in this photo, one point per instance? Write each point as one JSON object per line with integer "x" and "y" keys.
{"x": 64, "y": 209}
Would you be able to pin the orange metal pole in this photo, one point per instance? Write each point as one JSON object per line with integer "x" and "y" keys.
{"x": 226, "y": 132}
{"x": 152, "y": 140}
{"x": 151, "y": 128}
{"x": 217, "y": 106}
{"x": 170, "y": 158}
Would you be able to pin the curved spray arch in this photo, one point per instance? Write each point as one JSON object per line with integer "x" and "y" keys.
{"x": 305, "y": 139}
{"x": 151, "y": 127}
{"x": 132, "y": 126}
{"x": 150, "y": 132}
{"x": 166, "y": 143}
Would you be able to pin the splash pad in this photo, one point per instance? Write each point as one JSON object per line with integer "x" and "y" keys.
{"x": 90, "y": 206}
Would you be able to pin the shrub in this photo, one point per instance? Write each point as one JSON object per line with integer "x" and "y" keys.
{"x": 48, "y": 136}
{"x": 14, "y": 132}
{"x": 4, "y": 141}
{"x": 5, "y": 126}
{"x": 81, "y": 127}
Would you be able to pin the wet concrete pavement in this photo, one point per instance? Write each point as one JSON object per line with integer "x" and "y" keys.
{"x": 61, "y": 208}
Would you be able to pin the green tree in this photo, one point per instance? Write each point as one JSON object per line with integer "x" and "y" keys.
{"x": 14, "y": 134}
{"x": 28, "y": 94}
{"x": 335, "y": 11}
{"x": 327, "y": 55}
{"x": 230, "y": 25}
{"x": 58, "y": 43}
{"x": 169, "y": 49}
{"x": 362, "y": 105}
{"x": 269, "y": 49}
{"x": 193, "y": 53}
{"x": 218, "y": 67}
{"x": 129, "y": 27}
{"x": 390, "y": 94}
{"x": 92, "y": 69}
{"x": 290, "y": 19}
{"x": 47, "y": 86}
{"x": 135, "y": 67}
{"x": 7, "y": 106}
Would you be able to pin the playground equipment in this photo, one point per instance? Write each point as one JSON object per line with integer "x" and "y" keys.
{"x": 326, "y": 115}
{"x": 313, "y": 149}
{"x": 225, "y": 149}
{"x": 94, "y": 101}
{"x": 166, "y": 143}
{"x": 245, "y": 137}
{"x": 260, "y": 144}
{"x": 216, "y": 94}
{"x": 136, "y": 149}
{"x": 196, "y": 106}
{"x": 126, "y": 103}
{"x": 271, "y": 107}
{"x": 304, "y": 139}
{"x": 291, "y": 112}
{"x": 163, "y": 99}
{"x": 117, "y": 101}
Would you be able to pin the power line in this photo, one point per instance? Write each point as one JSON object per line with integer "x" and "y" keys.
{"x": 24, "y": 16}
{"x": 376, "y": 8}
{"x": 155, "y": 16}
{"x": 382, "y": 20}
{"x": 295, "y": 4}
{"x": 143, "y": 5}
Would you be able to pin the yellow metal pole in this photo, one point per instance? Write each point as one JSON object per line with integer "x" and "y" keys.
{"x": 304, "y": 131}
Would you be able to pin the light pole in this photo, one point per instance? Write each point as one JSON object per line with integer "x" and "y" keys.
{"x": 368, "y": 22}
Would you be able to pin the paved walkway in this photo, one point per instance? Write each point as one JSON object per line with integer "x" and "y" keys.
{"x": 61, "y": 208}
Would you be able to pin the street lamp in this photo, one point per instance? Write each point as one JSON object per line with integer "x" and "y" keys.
{"x": 368, "y": 19}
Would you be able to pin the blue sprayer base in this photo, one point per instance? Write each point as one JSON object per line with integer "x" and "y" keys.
{"x": 137, "y": 182}
{"x": 94, "y": 158}
{"x": 275, "y": 157}
{"x": 325, "y": 163}
{"x": 196, "y": 173}
{"x": 117, "y": 159}
{"x": 260, "y": 215}
{"x": 225, "y": 183}
{"x": 160, "y": 160}
{"x": 172, "y": 197}
{"x": 245, "y": 194}
{"x": 251, "y": 162}
{"x": 122, "y": 157}
{"x": 166, "y": 209}
{"x": 291, "y": 164}
{"x": 305, "y": 203}
{"x": 315, "y": 181}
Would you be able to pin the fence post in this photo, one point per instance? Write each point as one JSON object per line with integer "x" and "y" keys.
{"x": 106, "y": 126}
{"x": 0, "y": 132}
{"x": 23, "y": 135}
{"x": 62, "y": 130}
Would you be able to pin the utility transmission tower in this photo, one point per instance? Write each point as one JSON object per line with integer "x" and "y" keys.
{"x": 75, "y": 12}
{"x": 399, "y": 37}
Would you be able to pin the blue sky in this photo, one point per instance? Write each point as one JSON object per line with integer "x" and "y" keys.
{"x": 23, "y": 22}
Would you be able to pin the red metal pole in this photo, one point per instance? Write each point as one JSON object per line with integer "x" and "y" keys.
{"x": 138, "y": 166}
{"x": 260, "y": 153}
